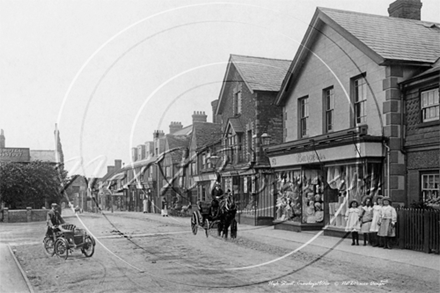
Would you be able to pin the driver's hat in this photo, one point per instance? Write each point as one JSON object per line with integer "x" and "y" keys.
{"x": 54, "y": 205}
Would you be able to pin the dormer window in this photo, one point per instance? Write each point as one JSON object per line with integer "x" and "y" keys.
{"x": 429, "y": 105}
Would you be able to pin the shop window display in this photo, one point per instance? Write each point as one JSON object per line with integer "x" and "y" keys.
{"x": 300, "y": 197}
{"x": 353, "y": 182}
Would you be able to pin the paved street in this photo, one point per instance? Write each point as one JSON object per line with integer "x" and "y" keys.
{"x": 147, "y": 253}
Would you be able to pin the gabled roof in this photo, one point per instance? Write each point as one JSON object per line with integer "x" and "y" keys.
{"x": 390, "y": 37}
{"x": 261, "y": 74}
{"x": 258, "y": 73}
{"x": 177, "y": 142}
{"x": 206, "y": 133}
{"x": 235, "y": 124}
{"x": 384, "y": 39}
{"x": 184, "y": 131}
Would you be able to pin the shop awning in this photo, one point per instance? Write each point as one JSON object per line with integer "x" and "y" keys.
{"x": 205, "y": 177}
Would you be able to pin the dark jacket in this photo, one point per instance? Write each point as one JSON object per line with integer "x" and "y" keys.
{"x": 54, "y": 218}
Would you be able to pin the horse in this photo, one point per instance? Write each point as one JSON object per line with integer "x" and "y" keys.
{"x": 227, "y": 211}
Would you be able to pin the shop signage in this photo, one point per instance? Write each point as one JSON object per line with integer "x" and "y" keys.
{"x": 14, "y": 155}
{"x": 352, "y": 151}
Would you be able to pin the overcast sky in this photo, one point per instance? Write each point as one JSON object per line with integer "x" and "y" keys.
{"x": 111, "y": 72}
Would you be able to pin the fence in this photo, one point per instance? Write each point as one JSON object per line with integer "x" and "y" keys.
{"x": 419, "y": 229}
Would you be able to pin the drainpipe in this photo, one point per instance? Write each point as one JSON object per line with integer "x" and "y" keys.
{"x": 388, "y": 168}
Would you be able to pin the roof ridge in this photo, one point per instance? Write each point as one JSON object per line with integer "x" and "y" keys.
{"x": 378, "y": 15}
{"x": 267, "y": 58}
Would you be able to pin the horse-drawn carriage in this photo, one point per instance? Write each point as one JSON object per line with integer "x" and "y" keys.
{"x": 216, "y": 213}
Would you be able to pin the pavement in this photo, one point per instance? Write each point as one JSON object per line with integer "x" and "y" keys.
{"x": 13, "y": 279}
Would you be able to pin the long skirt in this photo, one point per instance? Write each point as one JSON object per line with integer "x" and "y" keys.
{"x": 386, "y": 230}
{"x": 365, "y": 228}
{"x": 164, "y": 211}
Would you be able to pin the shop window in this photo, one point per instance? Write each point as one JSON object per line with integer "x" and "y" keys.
{"x": 352, "y": 182}
{"x": 430, "y": 188}
{"x": 429, "y": 105}
{"x": 359, "y": 91}
{"x": 300, "y": 196}
{"x": 303, "y": 107}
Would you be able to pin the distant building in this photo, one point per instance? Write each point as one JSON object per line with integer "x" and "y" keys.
{"x": 23, "y": 155}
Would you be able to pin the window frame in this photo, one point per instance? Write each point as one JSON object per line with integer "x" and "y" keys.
{"x": 303, "y": 116}
{"x": 328, "y": 110}
{"x": 357, "y": 103}
{"x": 431, "y": 189}
{"x": 434, "y": 105}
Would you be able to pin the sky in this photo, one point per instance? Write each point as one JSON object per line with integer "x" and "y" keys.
{"x": 110, "y": 72}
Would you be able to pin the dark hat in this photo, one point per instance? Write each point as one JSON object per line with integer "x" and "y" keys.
{"x": 388, "y": 199}
{"x": 357, "y": 203}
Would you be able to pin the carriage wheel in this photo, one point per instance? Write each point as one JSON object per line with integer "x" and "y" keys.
{"x": 88, "y": 247}
{"x": 234, "y": 229}
{"x": 194, "y": 223}
{"x": 62, "y": 248}
{"x": 206, "y": 227}
{"x": 49, "y": 246}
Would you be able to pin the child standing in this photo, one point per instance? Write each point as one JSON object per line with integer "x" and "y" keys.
{"x": 352, "y": 216}
{"x": 374, "y": 228}
{"x": 367, "y": 217}
{"x": 387, "y": 221}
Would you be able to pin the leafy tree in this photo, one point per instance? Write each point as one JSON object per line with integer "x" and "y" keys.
{"x": 30, "y": 184}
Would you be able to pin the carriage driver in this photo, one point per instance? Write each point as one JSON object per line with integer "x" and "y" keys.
{"x": 53, "y": 219}
{"x": 216, "y": 193}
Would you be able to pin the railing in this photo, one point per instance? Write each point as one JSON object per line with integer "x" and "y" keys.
{"x": 419, "y": 229}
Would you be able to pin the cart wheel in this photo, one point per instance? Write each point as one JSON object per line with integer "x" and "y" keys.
{"x": 49, "y": 247}
{"x": 194, "y": 223}
{"x": 234, "y": 229}
{"x": 62, "y": 248}
{"x": 88, "y": 247}
{"x": 206, "y": 227}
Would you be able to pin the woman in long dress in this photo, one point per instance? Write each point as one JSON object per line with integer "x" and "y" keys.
{"x": 374, "y": 228}
{"x": 352, "y": 216}
{"x": 387, "y": 222}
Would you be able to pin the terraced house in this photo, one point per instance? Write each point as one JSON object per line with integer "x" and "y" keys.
{"x": 344, "y": 114}
{"x": 249, "y": 119}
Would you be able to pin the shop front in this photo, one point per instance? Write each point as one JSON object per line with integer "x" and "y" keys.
{"x": 314, "y": 184}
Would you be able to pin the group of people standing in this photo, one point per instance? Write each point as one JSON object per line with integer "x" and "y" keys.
{"x": 376, "y": 221}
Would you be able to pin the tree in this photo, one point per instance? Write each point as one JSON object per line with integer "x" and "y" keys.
{"x": 29, "y": 184}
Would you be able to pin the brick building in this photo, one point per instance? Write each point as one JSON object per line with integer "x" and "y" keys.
{"x": 343, "y": 111}
{"x": 422, "y": 136}
{"x": 248, "y": 117}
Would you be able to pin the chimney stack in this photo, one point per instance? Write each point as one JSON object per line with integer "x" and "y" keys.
{"x": 409, "y": 9}
{"x": 110, "y": 169}
{"x": 175, "y": 126}
{"x": 2, "y": 140}
{"x": 199, "y": 116}
{"x": 158, "y": 134}
{"x": 118, "y": 164}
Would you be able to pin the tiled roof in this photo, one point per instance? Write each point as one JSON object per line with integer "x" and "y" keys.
{"x": 207, "y": 133}
{"x": 261, "y": 74}
{"x": 236, "y": 125}
{"x": 184, "y": 131}
{"x": 177, "y": 142}
{"x": 391, "y": 38}
{"x": 45, "y": 156}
